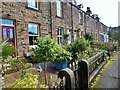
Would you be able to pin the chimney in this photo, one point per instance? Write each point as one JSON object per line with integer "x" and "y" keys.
{"x": 89, "y": 12}
{"x": 80, "y": 6}
{"x": 95, "y": 16}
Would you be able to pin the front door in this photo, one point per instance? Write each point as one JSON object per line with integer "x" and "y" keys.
{"x": 8, "y": 32}
{"x": 7, "y": 29}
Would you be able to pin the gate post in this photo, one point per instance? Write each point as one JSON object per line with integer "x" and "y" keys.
{"x": 69, "y": 76}
{"x": 83, "y": 74}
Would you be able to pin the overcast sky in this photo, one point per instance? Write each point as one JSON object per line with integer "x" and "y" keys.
{"x": 107, "y": 10}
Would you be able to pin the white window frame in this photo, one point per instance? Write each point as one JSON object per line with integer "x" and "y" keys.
{"x": 59, "y": 8}
{"x": 6, "y": 24}
{"x": 69, "y": 36}
{"x": 81, "y": 18}
{"x": 30, "y": 4}
{"x": 75, "y": 36}
{"x": 32, "y": 46}
{"x": 87, "y": 19}
{"x": 59, "y": 36}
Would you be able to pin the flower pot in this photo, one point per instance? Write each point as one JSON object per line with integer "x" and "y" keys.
{"x": 61, "y": 65}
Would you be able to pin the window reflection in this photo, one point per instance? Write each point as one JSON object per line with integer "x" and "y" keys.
{"x": 11, "y": 35}
{"x": 4, "y": 33}
{"x": 7, "y": 22}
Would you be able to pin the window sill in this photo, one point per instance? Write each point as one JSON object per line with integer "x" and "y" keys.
{"x": 60, "y": 17}
{"x": 34, "y": 9}
{"x": 81, "y": 23}
{"x": 32, "y": 46}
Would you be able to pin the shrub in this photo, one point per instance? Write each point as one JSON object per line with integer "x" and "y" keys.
{"x": 33, "y": 71}
{"x": 28, "y": 81}
{"x": 7, "y": 50}
{"x": 45, "y": 50}
{"x": 62, "y": 55}
{"x": 89, "y": 37}
{"x": 28, "y": 65}
{"x": 77, "y": 47}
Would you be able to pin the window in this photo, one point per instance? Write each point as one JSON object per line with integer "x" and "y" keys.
{"x": 33, "y": 30}
{"x": 59, "y": 8}
{"x": 33, "y": 4}
{"x": 59, "y": 35}
{"x": 69, "y": 36}
{"x": 7, "y": 22}
{"x": 7, "y": 30}
{"x": 75, "y": 36}
{"x": 81, "y": 18}
{"x": 81, "y": 34}
{"x": 87, "y": 21}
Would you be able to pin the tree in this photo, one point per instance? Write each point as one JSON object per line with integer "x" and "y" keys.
{"x": 45, "y": 51}
{"x": 115, "y": 36}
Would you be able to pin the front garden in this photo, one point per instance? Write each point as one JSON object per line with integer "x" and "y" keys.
{"x": 47, "y": 58}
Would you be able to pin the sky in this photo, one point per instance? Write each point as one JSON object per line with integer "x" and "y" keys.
{"x": 107, "y": 10}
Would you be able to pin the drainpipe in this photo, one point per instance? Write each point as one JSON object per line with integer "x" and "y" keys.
{"x": 72, "y": 32}
{"x": 85, "y": 23}
{"x": 51, "y": 19}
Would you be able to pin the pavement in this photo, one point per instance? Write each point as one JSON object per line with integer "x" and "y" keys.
{"x": 110, "y": 78}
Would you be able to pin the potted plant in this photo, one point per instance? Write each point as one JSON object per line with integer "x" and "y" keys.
{"x": 62, "y": 58}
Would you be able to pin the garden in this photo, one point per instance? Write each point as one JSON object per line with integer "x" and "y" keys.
{"x": 46, "y": 60}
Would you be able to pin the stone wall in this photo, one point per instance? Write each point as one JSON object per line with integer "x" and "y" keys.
{"x": 22, "y": 15}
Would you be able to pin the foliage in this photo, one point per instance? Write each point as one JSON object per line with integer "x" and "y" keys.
{"x": 45, "y": 50}
{"x": 115, "y": 36}
{"x": 11, "y": 60}
{"x": 28, "y": 65}
{"x": 89, "y": 37}
{"x": 29, "y": 81}
{"x": 43, "y": 87}
{"x": 80, "y": 45}
{"x": 77, "y": 47}
{"x": 78, "y": 32}
{"x": 62, "y": 55}
{"x": 33, "y": 71}
{"x": 99, "y": 44}
{"x": 7, "y": 48}
{"x": 89, "y": 52}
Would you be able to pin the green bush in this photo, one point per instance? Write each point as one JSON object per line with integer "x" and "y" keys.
{"x": 45, "y": 50}
{"x": 28, "y": 81}
{"x": 62, "y": 55}
{"x": 33, "y": 71}
{"x": 28, "y": 65}
{"x": 89, "y": 37}
{"x": 78, "y": 46}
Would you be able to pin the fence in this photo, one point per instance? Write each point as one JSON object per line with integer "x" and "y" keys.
{"x": 78, "y": 75}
